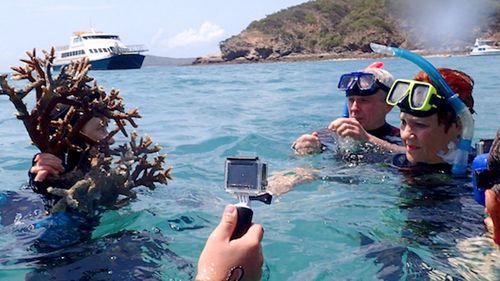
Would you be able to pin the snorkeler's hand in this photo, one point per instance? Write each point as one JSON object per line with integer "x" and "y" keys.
{"x": 349, "y": 127}
{"x": 307, "y": 144}
{"x": 222, "y": 256}
{"x": 492, "y": 204}
{"x": 46, "y": 164}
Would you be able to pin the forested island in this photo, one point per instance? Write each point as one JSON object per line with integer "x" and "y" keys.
{"x": 344, "y": 28}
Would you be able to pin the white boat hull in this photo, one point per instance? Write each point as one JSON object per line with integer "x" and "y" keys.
{"x": 124, "y": 61}
{"x": 485, "y": 53}
{"x": 483, "y": 47}
{"x": 104, "y": 51}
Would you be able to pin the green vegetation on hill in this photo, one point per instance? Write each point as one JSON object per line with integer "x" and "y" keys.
{"x": 348, "y": 26}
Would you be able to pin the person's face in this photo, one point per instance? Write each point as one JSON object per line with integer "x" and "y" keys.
{"x": 492, "y": 204}
{"x": 96, "y": 129}
{"x": 423, "y": 138}
{"x": 370, "y": 111}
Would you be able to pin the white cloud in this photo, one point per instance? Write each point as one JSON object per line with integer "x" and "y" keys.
{"x": 206, "y": 33}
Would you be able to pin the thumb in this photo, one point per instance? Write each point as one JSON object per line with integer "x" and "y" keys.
{"x": 225, "y": 229}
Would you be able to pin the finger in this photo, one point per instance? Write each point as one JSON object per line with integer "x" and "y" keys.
{"x": 255, "y": 231}
{"x": 34, "y": 170}
{"x": 352, "y": 132}
{"x": 344, "y": 133}
{"x": 338, "y": 122}
{"x": 41, "y": 176}
{"x": 41, "y": 168}
{"x": 226, "y": 227}
{"x": 50, "y": 166}
{"x": 50, "y": 160}
{"x": 311, "y": 139}
{"x": 307, "y": 141}
{"x": 334, "y": 125}
{"x": 352, "y": 121}
{"x": 349, "y": 130}
{"x": 342, "y": 129}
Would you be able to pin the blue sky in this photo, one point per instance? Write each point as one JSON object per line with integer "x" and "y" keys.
{"x": 171, "y": 28}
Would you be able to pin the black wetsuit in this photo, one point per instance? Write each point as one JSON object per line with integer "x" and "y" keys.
{"x": 400, "y": 162}
{"x": 70, "y": 160}
{"x": 62, "y": 243}
{"x": 388, "y": 133}
{"x": 439, "y": 211}
{"x": 80, "y": 224}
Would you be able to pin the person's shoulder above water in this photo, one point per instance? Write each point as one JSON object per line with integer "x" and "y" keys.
{"x": 388, "y": 133}
{"x": 401, "y": 162}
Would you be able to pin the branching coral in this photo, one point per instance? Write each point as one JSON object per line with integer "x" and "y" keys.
{"x": 109, "y": 182}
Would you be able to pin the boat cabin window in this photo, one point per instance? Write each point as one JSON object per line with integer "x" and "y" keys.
{"x": 77, "y": 40}
{"x": 114, "y": 37}
{"x": 72, "y": 53}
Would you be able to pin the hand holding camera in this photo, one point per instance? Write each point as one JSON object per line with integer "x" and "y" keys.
{"x": 246, "y": 177}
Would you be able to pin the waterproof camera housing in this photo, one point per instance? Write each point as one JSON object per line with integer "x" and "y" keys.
{"x": 245, "y": 176}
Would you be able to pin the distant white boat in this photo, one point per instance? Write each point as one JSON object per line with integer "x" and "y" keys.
{"x": 105, "y": 51}
{"x": 484, "y": 47}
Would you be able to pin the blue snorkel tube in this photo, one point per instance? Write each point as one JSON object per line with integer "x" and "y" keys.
{"x": 464, "y": 144}
{"x": 345, "y": 111}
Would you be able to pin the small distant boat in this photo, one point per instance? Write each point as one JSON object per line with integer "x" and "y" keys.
{"x": 105, "y": 51}
{"x": 484, "y": 47}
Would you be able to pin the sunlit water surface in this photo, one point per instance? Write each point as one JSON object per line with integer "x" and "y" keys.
{"x": 358, "y": 223}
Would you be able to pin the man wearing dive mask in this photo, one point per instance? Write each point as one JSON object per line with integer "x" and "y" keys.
{"x": 365, "y": 92}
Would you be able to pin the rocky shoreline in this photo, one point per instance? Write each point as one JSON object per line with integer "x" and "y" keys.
{"x": 218, "y": 59}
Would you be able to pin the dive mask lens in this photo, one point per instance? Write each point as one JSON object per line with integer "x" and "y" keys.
{"x": 358, "y": 83}
{"x": 424, "y": 97}
{"x": 346, "y": 81}
{"x": 398, "y": 91}
{"x": 366, "y": 81}
{"x": 419, "y": 96}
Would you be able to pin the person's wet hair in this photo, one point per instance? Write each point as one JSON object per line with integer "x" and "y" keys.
{"x": 461, "y": 83}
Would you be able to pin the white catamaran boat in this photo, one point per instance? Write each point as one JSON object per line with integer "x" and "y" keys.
{"x": 484, "y": 47}
{"x": 105, "y": 51}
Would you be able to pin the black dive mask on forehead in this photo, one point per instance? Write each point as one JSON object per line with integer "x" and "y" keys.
{"x": 360, "y": 84}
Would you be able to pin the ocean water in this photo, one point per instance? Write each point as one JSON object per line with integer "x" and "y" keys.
{"x": 363, "y": 222}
